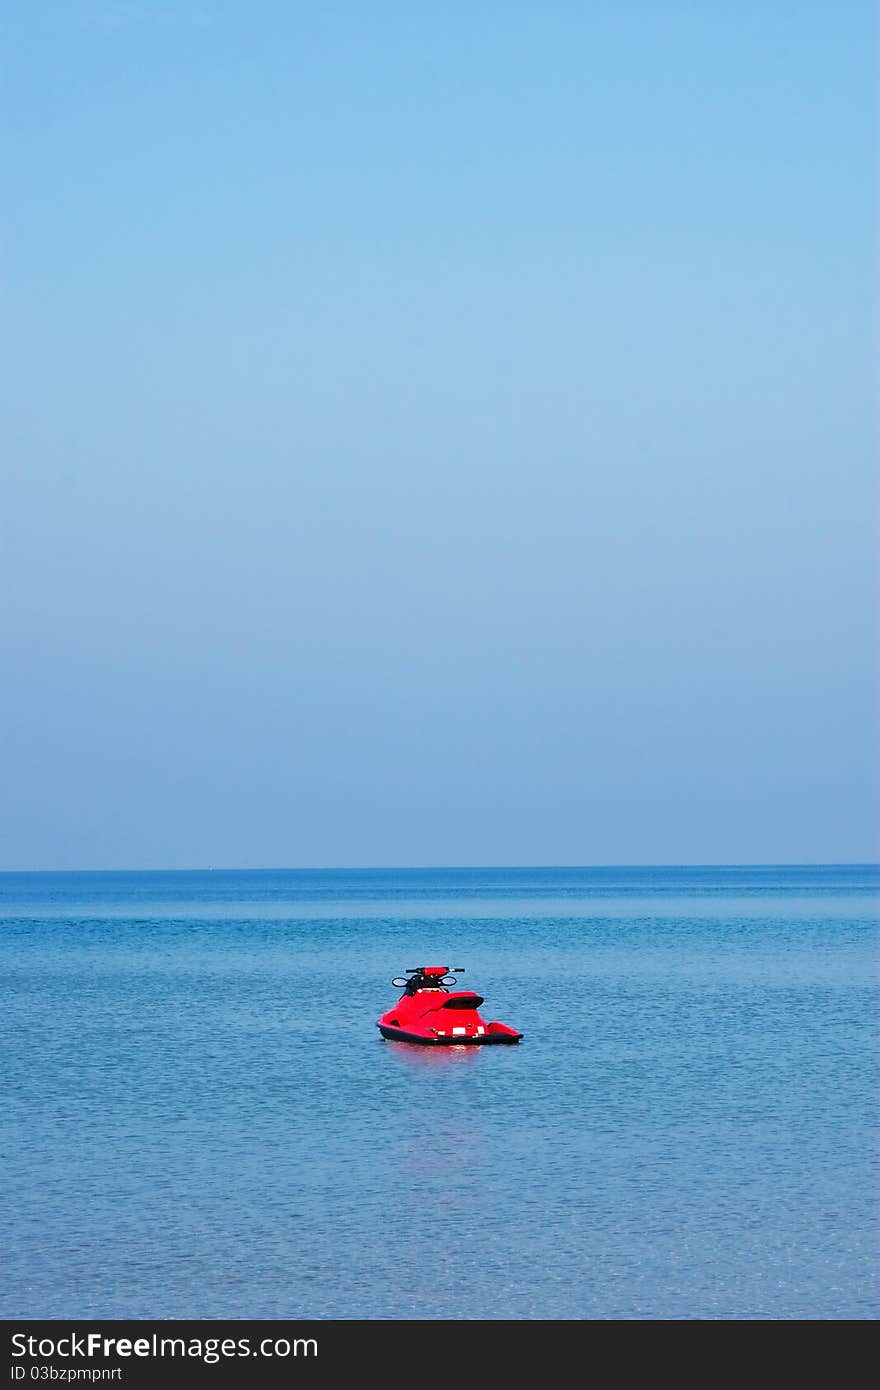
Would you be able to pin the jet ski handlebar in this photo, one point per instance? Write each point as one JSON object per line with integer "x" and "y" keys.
{"x": 435, "y": 970}
{"x": 428, "y": 977}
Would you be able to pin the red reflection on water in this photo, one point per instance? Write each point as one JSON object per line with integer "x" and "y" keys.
{"x": 427, "y": 1057}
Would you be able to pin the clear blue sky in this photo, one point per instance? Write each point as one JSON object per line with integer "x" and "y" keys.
{"x": 438, "y": 433}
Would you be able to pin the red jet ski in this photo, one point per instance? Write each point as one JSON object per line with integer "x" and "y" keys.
{"x": 429, "y": 1012}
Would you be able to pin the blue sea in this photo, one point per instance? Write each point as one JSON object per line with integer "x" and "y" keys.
{"x": 200, "y": 1119}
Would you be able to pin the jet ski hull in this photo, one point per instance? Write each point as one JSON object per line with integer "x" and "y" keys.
{"x": 474, "y": 1040}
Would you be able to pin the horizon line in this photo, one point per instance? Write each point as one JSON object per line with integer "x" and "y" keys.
{"x": 456, "y": 868}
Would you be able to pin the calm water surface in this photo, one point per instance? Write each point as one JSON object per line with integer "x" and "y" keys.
{"x": 200, "y": 1119}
